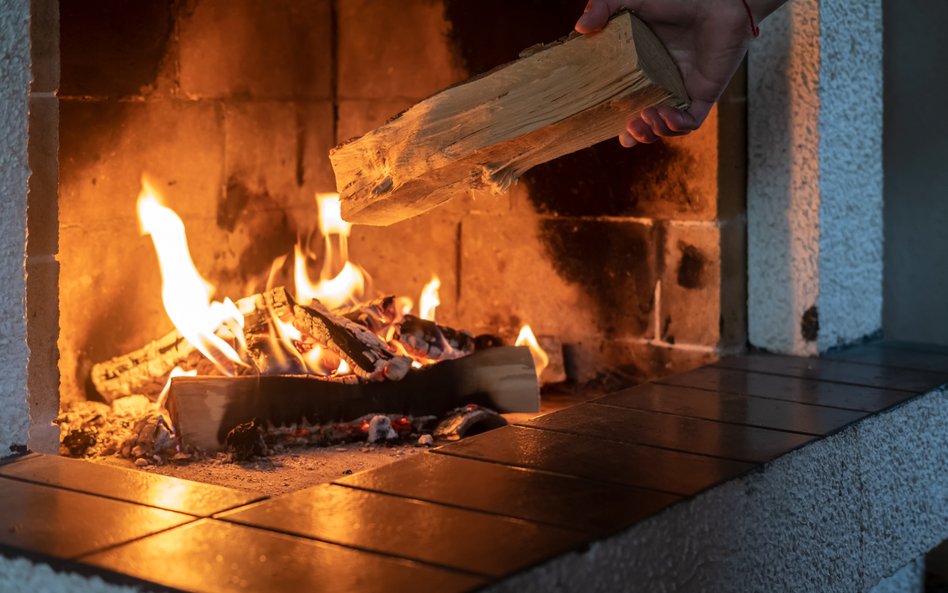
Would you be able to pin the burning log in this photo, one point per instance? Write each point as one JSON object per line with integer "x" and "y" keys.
{"x": 377, "y": 315}
{"x": 367, "y": 355}
{"x": 427, "y": 340}
{"x": 487, "y": 132}
{"x": 144, "y": 371}
{"x": 205, "y": 409}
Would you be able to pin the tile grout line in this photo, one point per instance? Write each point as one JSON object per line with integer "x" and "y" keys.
{"x": 770, "y": 398}
{"x": 653, "y": 446}
{"x": 285, "y": 532}
{"x": 715, "y": 420}
{"x": 719, "y": 365}
{"x": 110, "y": 547}
{"x": 64, "y": 488}
{"x": 443, "y": 451}
{"x": 466, "y": 508}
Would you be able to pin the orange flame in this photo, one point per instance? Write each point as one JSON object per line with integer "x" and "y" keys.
{"x": 185, "y": 294}
{"x": 429, "y": 299}
{"x": 345, "y": 287}
{"x": 540, "y": 358}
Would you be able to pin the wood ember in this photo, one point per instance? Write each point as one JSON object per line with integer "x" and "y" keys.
{"x": 468, "y": 421}
{"x": 377, "y": 315}
{"x": 246, "y": 441}
{"x": 131, "y": 427}
{"x": 367, "y": 355}
{"x": 429, "y": 341}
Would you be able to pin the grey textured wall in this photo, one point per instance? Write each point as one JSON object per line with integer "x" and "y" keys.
{"x": 14, "y": 176}
{"x": 916, "y": 178}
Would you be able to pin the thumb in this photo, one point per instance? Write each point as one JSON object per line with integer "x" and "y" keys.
{"x": 596, "y": 15}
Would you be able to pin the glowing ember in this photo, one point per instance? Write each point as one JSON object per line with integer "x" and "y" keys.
{"x": 185, "y": 294}
{"x": 540, "y": 358}
{"x": 429, "y": 299}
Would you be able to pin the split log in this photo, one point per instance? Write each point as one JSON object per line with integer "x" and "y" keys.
{"x": 142, "y": 372}
{"x": 376, "y": 315}
{"x": 427, "y": 340}
{"x": 487, "y": 132}
{"x": 205, "y": 409}
{"x": 367, "y": 355}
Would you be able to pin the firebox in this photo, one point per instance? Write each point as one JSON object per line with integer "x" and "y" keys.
{"x": 628, "y": 264}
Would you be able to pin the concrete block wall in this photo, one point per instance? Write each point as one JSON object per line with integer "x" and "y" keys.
{"x": 814, "y": 185}
{"x": 14, "y": 179}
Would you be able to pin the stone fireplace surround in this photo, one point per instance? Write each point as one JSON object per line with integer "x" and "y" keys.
{"x": 821, "y": 264}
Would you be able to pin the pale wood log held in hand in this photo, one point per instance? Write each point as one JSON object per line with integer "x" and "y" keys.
{"x": 485, "y": 133}
{"x": 204, "y": 409}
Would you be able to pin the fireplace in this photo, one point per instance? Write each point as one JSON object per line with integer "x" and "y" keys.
{"x": 230, "y": 109}
{"x": 758, "y": 469}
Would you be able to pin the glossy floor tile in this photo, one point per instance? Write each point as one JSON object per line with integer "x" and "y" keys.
{"x": 576, "y": 503}
{"x": 445, "y": 536}
{"x": 733, "y": 408}
{"x": 162, "y": 492}
{"x": 608, "y": 461}
{"x": 65, "y": 524}
{"x": 837, "y": 371}
{"x": 691, "y": 435}
{"x": 807, "y": 391}
{"x": 893, "y": 357}
{"x": 211, "y": 556}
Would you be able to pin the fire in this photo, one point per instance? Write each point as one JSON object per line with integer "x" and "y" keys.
{"x": 185, "y": 294}
{"x": 540, "y": 358}
{"x": 429, "y": 299}
{"x": 347, "y": 286}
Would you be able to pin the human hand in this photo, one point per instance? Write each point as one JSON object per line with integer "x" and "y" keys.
{"x": 707, "y": 39}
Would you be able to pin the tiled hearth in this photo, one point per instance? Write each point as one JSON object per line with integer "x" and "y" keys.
{"x": 470, "y": 514}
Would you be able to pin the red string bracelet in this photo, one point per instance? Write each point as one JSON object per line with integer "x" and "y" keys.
{"x": 750, "y": 15}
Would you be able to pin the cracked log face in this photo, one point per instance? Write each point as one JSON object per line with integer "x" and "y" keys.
{"x": 487, "y": 132}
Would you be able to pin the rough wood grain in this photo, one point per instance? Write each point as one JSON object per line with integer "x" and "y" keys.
{"x": 142, "y": 372}
{"x": 485, "y": 133}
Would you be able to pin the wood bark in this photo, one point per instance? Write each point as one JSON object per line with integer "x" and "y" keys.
{"x": 144, "y": 371}
{"x": 205, "y": 409}
{"x": 485, "y": 133}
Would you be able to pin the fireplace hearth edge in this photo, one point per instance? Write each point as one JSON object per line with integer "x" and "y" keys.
{"x": 840, "y": 512}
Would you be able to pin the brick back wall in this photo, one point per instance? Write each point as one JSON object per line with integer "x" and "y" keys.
{"x": 231, "y": 107}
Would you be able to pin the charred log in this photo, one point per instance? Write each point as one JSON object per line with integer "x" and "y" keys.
{"x": 502, "y": 379}
{"x": 426, "y": 339}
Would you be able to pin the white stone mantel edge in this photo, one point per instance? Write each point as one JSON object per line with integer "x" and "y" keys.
{"x": 836, "y": 516}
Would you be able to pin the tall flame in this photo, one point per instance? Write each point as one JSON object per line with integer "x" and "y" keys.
{"x": 429, "y": 299}
{"x": 185, "y": 294}
{"x": 540, "y": 358}
{"x": 345, "y": 287}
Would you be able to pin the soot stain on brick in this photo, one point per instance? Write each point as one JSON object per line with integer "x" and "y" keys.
{"x": 691, "y": 266}
{"x": 113, "y": 47}
{"x": 232, "y": 204}
{"x": 487, "y": 33}
{"x": 612, "y": 262}
{"x": 810, "y": 324}
{"x": 262, "y": 218}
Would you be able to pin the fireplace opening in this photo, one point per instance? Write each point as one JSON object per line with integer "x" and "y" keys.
{"x": 625, "y": 264}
